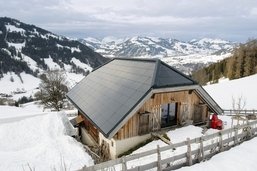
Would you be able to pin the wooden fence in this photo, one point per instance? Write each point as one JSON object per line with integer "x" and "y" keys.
{"x": 195, "y": 150}
{"x": 241, "y": 112}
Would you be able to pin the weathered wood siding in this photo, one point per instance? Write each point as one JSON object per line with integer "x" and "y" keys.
{"x": 148, "y": 118}
{"x": 130, "y": 129}
{"x": 92, "y": 130}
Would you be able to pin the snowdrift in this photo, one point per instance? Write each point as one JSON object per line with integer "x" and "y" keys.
{"x": 41, "y": 143}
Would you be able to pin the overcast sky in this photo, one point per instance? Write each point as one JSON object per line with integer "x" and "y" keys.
{"x": 234, "y": 20}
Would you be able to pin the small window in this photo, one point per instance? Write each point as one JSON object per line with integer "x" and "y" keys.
{"x": 112, "y": 143}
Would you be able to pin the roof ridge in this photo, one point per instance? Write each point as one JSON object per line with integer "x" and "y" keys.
{"x": 102, "y": 64}
{"x": 156, "y": 70}
{"x": 137, "y": 59}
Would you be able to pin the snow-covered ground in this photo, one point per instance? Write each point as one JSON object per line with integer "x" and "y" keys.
{"x": 225, "y": 90}
{"x": 33, "y": 139}
{"x": 242, "y": 157}
{"x": 177, "y": 135}
{"x": 27, "y": 85}
{"x": 12, "y": 83}
{"x": 11, "y": 114}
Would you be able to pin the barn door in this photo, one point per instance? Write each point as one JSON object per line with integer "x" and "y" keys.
{"x": 144, "y": 124}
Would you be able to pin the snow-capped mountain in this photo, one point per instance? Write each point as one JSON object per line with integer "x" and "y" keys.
{"x": 156, "y": 47}
{"x": 185, "y": 56}
{"x": 27, "y": 50}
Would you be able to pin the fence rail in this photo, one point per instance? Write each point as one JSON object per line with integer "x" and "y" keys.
{"x": 242, "y": 112}
{"x": 197, "y": 150}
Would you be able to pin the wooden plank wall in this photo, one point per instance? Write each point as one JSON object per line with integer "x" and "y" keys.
{"x": 130, "y": 129}
{"x": 92, "y": 130}
{"x": 186, "y": 110}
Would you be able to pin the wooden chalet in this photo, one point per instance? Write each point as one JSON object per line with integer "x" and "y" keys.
{"x": 125, "y": 100}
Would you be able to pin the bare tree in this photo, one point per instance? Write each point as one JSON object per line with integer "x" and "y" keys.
{"x": 52, "y": 89}
{"x": 238, "y": 105}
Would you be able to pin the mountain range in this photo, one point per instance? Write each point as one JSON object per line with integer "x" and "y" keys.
{"x": 185, "y": 56}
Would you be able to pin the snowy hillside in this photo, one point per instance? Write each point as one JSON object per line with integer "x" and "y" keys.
{"x": 185, "y": 56}
{"x": 225, "y": 90}
{"x": 27, "y": 51}
{"x": 31, "y": 49}
{"x": 15, "y": 87}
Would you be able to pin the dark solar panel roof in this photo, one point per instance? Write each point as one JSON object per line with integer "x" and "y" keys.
{"x": 167, "y": 76}
{"x": 108, "y": 94}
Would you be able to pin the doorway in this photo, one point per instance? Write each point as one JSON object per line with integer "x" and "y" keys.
{"x": 168, "y": 114}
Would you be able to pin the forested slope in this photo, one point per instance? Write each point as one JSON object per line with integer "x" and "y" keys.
{"x": 242, "y": 63}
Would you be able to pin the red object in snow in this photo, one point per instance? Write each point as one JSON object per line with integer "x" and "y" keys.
{"x": 216, "y": 123}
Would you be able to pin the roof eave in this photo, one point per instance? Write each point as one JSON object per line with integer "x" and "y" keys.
{"x": 211, "y": 102}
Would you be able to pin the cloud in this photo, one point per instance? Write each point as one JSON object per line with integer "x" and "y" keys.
{"x": 184, "y": 19}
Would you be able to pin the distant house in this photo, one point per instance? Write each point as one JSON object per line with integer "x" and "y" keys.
{"x": 125, "y": 100}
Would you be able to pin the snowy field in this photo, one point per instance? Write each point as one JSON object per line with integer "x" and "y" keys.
{"x": 225, "y": 90}
{"x": 33, "y": 139}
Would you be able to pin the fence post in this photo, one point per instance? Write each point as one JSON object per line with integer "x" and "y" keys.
{"x": 220, "y": 142}
{"x": 124, "y": 165}
{"x": 249, "y": 131}
{"x": 189, "y": 153}
{"x": 236, "y": 135}
{"x": 201, "y": 150}
{"x": 159, "y": 166}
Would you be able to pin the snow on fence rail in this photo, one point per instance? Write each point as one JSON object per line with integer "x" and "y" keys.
{"x": 195, "y": 150}
{"x": 243, "y": 112}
